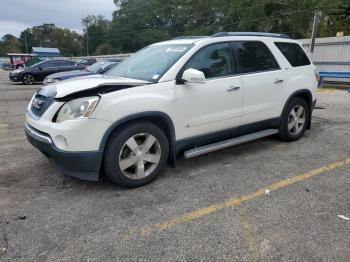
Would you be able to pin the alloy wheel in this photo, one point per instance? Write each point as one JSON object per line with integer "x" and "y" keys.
{"x": 139, "y": 156}
{"x": 296, "y": 120}
{"x": 28, "y": 79}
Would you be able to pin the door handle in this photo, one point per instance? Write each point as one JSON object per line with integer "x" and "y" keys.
{"x": 233, "y": 88}
{"x": 279, "y": 81}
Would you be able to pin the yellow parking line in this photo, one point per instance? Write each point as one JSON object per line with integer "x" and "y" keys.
{"x": 236, "y": 201}
{"x": 326, "y": 90}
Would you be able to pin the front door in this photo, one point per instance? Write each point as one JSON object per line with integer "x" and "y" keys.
{"x": 47, "y": 68}
{"x": 214, "y": 105}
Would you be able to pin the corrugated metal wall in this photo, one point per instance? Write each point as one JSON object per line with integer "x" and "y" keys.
{"x": 331, "y": 53}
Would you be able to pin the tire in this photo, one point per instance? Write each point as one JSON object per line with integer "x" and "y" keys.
{"x": 295, "y": 119}
{"x": 135, "y": 154}
{"x": 28, "y": 79}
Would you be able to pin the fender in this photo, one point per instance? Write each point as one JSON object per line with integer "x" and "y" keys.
{"x": 170, "y": 132}
{"x": 296, "y": 93}
{"x": 309, "y": 102}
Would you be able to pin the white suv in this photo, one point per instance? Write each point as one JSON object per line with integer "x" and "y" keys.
{"x": 183, "y": 97}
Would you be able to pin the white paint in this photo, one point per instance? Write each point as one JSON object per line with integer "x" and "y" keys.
{"x": 344, "y": 217}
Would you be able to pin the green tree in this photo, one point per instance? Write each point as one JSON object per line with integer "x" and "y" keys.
{"x": 9, "y": 44}
{"x": 335, "y": 20}
{"x": 69, "y": 42}
{"x": 48, "y": 35}
{"x": 96, "y": 33}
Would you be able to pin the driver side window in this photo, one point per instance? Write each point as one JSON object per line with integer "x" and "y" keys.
{"x": 214, "y": 61}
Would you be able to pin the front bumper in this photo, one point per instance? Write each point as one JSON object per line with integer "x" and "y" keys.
{"x": 15, "y": 77}
{"x": 82, "y": 165}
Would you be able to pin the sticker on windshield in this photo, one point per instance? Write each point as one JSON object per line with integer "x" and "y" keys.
{"x": 155, "y": 76}
{"x": 176, "y": 49}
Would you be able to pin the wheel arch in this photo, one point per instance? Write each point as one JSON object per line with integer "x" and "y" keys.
{"x": 159, "y": 119}
{"x": 304, "y": 94}
{"x": 28, "y": 73}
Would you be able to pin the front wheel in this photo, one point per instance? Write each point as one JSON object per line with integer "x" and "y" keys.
{"x": 28, "y": 79}
{"x": 294, "y": 120}
{"x": 136, "y": 154}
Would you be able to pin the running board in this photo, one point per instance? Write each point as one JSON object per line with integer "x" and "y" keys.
{"x": 227, "y": 143}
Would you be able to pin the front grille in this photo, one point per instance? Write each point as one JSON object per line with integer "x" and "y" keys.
{"x": 40, "y": 104}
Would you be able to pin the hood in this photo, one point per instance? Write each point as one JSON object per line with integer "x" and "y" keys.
{"x": 21, "y": 70}
{"x": 68, "y": 74}
{"x": 89, "y": 84}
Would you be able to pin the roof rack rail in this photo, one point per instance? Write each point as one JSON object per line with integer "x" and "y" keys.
{"x": 190, "y": 37}
{"x": 219, "y": 34}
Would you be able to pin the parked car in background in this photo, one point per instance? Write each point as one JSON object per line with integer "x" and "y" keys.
{"x": 97, "y": 68}
{"x": 85, "y": 62}
{"x": 6, "y": 66}
{"x": 38, "y": 72}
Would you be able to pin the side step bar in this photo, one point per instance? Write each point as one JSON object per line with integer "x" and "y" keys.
{"x": 227, "y": 143}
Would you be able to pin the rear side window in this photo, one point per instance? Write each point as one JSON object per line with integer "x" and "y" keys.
{"x": 294, "y": 53}
{"x": 66, "y": 63}
{"x": 255, "y": 57}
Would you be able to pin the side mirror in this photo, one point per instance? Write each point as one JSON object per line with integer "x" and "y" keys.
{"x": 193, "y": 76}
{"x": 40, "y": 68}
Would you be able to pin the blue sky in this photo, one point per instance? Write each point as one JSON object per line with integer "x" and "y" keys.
{"x": 17, "y": 15}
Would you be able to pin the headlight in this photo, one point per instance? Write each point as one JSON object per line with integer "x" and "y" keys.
{"x": 77, "y": 108}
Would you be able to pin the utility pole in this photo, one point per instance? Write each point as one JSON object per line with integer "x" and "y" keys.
{"x": 87, "y": 40}
{"x": 315, "y": 22}
{"x": 25, "y": 40}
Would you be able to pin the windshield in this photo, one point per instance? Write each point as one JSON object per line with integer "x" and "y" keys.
{"x": 95, "y": 67}
{"x": 151, "y": 62}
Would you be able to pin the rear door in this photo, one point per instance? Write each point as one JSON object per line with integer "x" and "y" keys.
{"x": 216, "y": 104}
{"x": 263, "y": 81}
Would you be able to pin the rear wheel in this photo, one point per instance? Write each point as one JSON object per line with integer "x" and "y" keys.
{"x": 136, "y": 154}
{"x": 294, "y": 120}
{"x": 28, "y": 79}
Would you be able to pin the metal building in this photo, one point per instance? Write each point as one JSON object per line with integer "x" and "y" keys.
{"x": 46, "y": 51}
{"x": 331, "y": 53}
